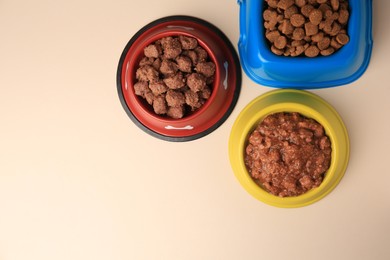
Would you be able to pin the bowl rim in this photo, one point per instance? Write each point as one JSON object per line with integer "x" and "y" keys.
{"x": 237, "y": 84}
{"x": 334, "y": 128}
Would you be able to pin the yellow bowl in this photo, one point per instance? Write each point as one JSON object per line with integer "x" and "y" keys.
{"x": 309, "y": 105}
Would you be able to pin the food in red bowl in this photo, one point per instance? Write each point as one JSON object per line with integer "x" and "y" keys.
{"x": 173, "y": 90}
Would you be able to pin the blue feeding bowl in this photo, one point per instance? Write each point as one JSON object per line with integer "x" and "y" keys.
{"x": 268, "y": 69}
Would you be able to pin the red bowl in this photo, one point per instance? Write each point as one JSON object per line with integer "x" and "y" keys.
{"x": 225, "y": 90}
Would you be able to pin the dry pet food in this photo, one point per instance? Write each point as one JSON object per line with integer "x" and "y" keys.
{"x": 288, "y": 154}
{"x": 175, "y": 76}
{"x": 306, "y": 27}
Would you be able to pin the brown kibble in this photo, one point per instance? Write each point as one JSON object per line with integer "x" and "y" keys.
{"x": 290, "y": 11}
{"x": 335, "y": 4}
{"x": 152, "y": 51}
{"x": 297, "y": 43}
{"x": 272, "y": 35}
{"x": 323, "y": 8}
{"x": 305, "y": 10}
{"x": 315, "y": 16}
{"x": 269, "y": 15}
{"x": 300, "y": 3}
{"x": 342, "y": 38}
{"x": 328, "y": 51}
{"x": 318, "y": 37}
{"x": 284, "y": 4}
{"x": 297, "y": 20}
{"x": 335, "y": 29}
{"x": 272, "y": 3}
{"x": 328, "y": 15}
{"x": 343, "y": 16}
{"x": 311, "y": 29}
{"x": 276, "y": 50}
{"x": 160, "y": 105}
{"x": 286, "y": 27}
{"x": 335, "y": 44}
{"x": 312, "y": 51}
{"x": 298, "y": 34}
{"x": 270, "y": 25}
{"x": 280, "y": 42}
{"x": 300, "y": 50}
{"x": 176, "y": 112}
{"x": 324, "y": 43}
{"x": 307, "y": 39}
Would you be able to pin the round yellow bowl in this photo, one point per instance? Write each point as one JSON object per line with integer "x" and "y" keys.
{"x": 309, "y": 105}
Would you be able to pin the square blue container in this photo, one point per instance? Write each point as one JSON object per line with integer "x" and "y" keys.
{"x": 340, "y": 68}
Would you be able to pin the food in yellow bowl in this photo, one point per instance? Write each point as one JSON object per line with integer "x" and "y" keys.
{"x": 312, "y": 108}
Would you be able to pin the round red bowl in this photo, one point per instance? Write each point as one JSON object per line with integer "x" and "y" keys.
{"x": 225, "y": 89}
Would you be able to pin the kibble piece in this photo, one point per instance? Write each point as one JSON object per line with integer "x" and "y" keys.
{"x": 205, "y": 93}
{"x": 176, "y": 112}
{"x": 146, "y": 61}
{"x": 176, "y": 81}
{"x": 284, "y": 4}
{"x": 297, "y": 43}
{"x": 335, "y": 44}
{"x": 322, "y": 1}
{"x": 335, "y": 4}
{"x": 318, "y": 37}
{"x": 324, "y": 43}
{"x": 312, "y": 51}
{"x": 159, "y": 105}
{"x": 272, "y": 35}
{"x": 311, "y": 29}
{"x": 306, "y": 9}
{"x": 192, "y": 55}
{"x": 290, "y": 11}
{"x": 280, "y": 42}
{"x": 207, "y": 69}
{"x": 149, "y": 96}
{"x": 171, "y": 47}
{"x": 156, "y": 64}
{"x": 140, "y": 88}
{"x": 196, "y": 82}
{"x": 342, "y": 38}
{"x": 327, "y": 52}
{"x": 201, "y": 54}
{"x": 272, "y": 3}
{"x": 192, "y": 99}
{"x": 324, "y": 8}
{"x": 297, "y": 20}
{"x": 343, "y": 16}
{"x": 152, "y": 51}
{"x": 188, "y": 43}
{"x": 276, "y": 50}
{"x": 147, "y": 73}
{"x": 315, "y": 16}
{"x": 298, "y": 34}
{"x": 175, "y": 98}
{"x": 286, "y": 27}
{"x": 269, "y": 15}
{"x": 299, "y": 50}
{"x": 158, "y": 87}
{"x": 336, "y": 27}
{"x": 184, "y": 63}
{"x": 300, "y": 3}
{"x": 168, "y": 67}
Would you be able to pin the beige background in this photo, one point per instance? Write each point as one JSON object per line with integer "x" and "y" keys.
{"x": 78, "y": 180}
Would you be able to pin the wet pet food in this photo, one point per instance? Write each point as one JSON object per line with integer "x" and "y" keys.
{"x": 175, "y": 76}
{"x": 288, "y": 154}
{"x": 306, "y": 27}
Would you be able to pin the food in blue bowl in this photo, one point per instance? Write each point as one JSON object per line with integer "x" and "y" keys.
{"x": 268, "y": 66}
